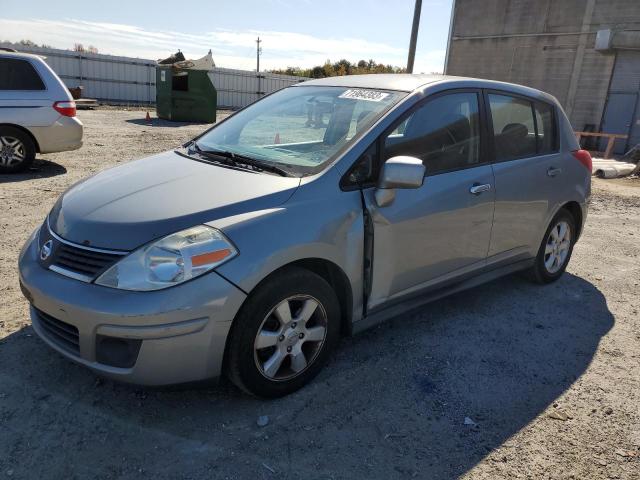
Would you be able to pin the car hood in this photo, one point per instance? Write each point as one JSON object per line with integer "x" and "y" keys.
{"x": 125, "y": 207}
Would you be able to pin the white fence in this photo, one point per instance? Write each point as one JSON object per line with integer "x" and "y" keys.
{"x": 238, "y": 88}
{"x": 126, "y": 80}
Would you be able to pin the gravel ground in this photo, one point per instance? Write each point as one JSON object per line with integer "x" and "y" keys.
{"x": 508, "y": 380}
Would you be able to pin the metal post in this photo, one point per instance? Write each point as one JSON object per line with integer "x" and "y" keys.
{"x": 258, "y": 51}
{"x": 414, "y": 36}
{"x": 450, "y": 37}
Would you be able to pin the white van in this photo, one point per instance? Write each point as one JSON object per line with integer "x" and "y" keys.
{"x": 37, "y": 112}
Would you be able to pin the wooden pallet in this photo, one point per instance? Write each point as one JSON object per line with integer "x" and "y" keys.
{"x": 611, "y": 136}
{"x": 86, "y": 103}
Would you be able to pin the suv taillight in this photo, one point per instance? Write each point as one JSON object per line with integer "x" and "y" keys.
{"x": 584, "y": 158}
{"x": 66, "y": 108}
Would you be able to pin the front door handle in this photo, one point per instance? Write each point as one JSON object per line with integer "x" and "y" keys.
{"x": 553, "y": 171}
{"x": 477, "y": 189}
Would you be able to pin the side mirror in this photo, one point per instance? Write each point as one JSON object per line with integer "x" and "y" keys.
{"x": 398, "y": 172}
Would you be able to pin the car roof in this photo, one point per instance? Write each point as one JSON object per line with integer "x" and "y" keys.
{"x": 4, "y": 53}
{"x": 405, "y": 82}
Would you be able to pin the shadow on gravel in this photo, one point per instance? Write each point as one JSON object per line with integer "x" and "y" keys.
{"x": 39, "y": 169}
{"x": 159, "y": 122}
{"x": 391, "y": 404}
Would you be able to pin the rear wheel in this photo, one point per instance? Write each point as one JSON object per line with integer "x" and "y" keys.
{"x": 283, "y": 334}
{"x": 556, "y": 248}
{"x": 17, "y": 150}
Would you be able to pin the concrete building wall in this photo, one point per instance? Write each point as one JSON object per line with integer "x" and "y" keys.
{"x": 546, "y": 44}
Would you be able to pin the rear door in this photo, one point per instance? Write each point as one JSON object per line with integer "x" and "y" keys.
{"x": 529, "y": 179}
{"x": 441, "y": 229}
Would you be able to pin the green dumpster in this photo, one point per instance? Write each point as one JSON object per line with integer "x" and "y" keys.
{"x": 185, "y": 95}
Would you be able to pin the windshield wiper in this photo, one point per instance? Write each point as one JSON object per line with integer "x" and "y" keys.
{"x": 239, "y": 159}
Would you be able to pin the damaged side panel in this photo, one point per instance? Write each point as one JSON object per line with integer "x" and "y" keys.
{"x": 367, "y": 261}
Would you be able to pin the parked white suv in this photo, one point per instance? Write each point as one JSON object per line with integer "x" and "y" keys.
{"x": 37, "y": 112}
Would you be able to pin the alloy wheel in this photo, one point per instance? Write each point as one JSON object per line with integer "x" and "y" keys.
{"x": 557, "y": 247}
{"x": 12, "y": 151}
{"x": 290, "y": 337}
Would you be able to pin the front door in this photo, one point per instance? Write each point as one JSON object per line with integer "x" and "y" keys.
{"x": 443, "y": 228}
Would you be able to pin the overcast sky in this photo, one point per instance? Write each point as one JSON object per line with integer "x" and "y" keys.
{"x": 295, "y": 32}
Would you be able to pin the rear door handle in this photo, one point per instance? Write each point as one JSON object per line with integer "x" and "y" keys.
{"x": 477, "y": 189}
{"x": 553, "y": 171}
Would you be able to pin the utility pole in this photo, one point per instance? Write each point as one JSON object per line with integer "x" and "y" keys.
{"x": 414, "y": 36}
{"x": 258, "y": 52}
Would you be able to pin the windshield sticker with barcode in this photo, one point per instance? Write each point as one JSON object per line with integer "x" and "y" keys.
{"x": 362, "y": 94}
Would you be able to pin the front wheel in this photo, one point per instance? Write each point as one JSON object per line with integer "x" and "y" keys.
{"x": 283, "y": 334}
{"x": 556, "y": 248}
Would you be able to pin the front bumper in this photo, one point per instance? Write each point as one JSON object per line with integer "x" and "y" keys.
{"x": 181, "y": 331}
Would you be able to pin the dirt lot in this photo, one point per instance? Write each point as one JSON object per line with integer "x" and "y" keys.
{"x": 509, "y": 356}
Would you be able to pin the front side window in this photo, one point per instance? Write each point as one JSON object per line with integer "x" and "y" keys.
{"x": 444, "y": 133}
{"x": 300, "y": 128}
{"x": 18, "y": 74}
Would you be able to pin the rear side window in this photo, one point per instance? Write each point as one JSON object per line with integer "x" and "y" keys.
{"x": 18, "y": 74}
{"x": 513, "y": 127}
{"x": 444, "y": 133}
{"x": 547, "y": 131}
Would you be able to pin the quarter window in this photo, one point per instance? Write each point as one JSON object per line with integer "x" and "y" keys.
{"x": 444, "y": 133}
{"x": 18, "y": 75}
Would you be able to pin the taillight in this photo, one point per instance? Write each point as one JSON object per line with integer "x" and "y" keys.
{"x": 584, "y": 158}
{"x": 66, "y": 108}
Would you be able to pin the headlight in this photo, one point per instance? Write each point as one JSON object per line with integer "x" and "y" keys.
{"x": 172, "y": 260}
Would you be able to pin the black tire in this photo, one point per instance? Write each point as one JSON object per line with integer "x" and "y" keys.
{"x": 539, "y": 272}
{"x": 28, "y": 150}
{"x": 242, "y": 359}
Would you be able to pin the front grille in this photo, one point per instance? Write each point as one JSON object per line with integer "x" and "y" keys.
{"x": 62, "y": 334}
{"x": 82, "y": 261}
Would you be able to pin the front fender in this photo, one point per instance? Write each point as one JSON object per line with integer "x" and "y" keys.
{"x": 318, "y": 222}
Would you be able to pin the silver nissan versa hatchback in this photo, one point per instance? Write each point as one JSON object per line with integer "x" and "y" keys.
{"x": 319, "y": 210}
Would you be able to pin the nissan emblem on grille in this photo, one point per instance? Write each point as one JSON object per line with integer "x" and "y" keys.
{"x": 45, "y": 251}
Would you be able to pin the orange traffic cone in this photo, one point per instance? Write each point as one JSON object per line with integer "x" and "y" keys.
{"x": 277, "y": 139}
{"x": 148, "y": 119}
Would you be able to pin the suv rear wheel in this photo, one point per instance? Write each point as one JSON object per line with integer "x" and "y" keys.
{"x": 17, "y": 150}
{"x": 283, "y": 334}
{"x": 556, "y": 248}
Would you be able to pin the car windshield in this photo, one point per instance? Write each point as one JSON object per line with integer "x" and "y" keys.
{"x": 299, "y": 129}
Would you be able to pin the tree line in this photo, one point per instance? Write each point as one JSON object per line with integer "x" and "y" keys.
{"x": 77, "y": 47}
{"x": 341, "y": 67}
{"x": 336, "y": 69}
